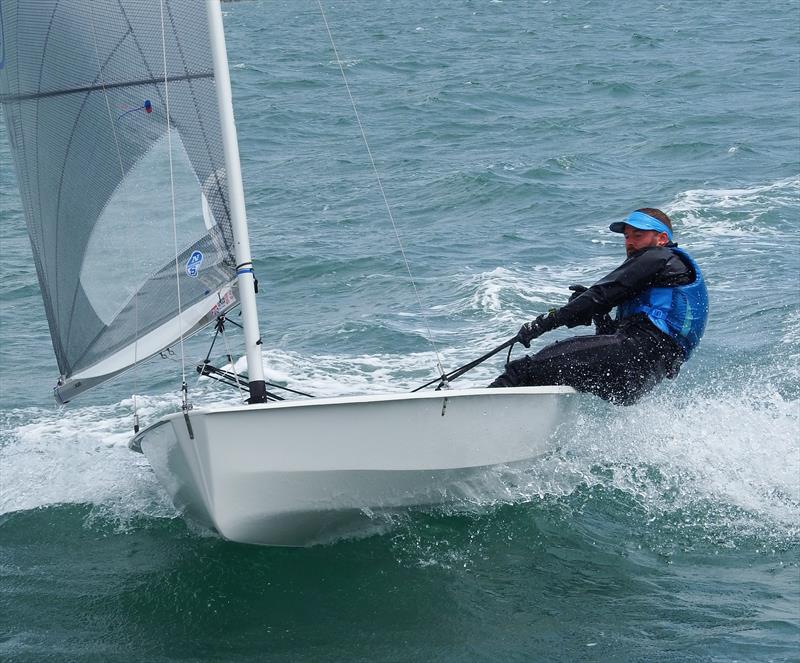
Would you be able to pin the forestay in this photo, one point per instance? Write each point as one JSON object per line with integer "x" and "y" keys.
{"x": 88, "y": 91}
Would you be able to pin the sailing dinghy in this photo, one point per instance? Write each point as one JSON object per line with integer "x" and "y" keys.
{"x": 120, "y": 117}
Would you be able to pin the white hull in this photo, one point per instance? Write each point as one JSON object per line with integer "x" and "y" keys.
{"x": 297, "y": 472}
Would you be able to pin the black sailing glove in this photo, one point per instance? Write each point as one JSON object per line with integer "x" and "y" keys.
{"x": 604, "y": 324}
{"x": 535, "y": 328}
{"x": 577, "y": 291}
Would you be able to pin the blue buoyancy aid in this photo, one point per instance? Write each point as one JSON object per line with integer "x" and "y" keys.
{"x": 679, "y": 311}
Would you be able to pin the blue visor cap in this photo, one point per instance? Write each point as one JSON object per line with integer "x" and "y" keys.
{"x": 641, "y": 221}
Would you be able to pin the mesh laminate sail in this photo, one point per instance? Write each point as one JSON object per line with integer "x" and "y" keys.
{"x": 87, "y": 106}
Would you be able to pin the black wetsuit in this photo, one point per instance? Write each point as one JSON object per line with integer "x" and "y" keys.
{"x": 626, "y": 358}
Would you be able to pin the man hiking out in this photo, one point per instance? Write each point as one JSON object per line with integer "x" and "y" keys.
{"x": 662, "y": 308}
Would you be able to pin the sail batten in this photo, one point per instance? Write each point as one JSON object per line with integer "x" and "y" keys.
{"x": 107, "y": 86}
{"x": 83, "y": 89}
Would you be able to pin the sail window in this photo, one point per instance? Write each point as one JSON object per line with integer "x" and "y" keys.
{"x": 133, "y": 237}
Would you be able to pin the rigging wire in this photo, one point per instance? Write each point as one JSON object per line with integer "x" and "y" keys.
{"x": 383, "y": 195}
{"x": 123, "y": 181}
{"x": 184, "y": 388}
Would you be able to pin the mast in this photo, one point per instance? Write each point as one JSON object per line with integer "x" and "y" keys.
{"x": 241, "y": 240}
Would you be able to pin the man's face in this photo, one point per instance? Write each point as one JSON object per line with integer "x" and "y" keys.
{"x": 636, "y": 239}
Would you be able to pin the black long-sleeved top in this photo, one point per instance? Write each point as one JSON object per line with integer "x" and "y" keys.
{"x": 655, "y": 266}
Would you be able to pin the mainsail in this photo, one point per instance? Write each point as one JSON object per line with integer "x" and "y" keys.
{"x": 112, "y": 113}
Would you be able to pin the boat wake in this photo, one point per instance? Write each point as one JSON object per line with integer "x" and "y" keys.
{"x": 726, "y": 453}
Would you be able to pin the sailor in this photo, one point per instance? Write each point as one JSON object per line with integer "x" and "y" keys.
{"x": 662, "y": 308}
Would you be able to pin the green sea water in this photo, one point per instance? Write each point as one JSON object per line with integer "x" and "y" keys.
{"x": 507, "y": 136}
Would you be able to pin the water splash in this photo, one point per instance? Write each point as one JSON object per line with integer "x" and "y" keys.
{"x": 722, "y": 461}
{"x": 78, "y": 456}
{"x": 729, "y": 449}
{"x": 719, "y": 447}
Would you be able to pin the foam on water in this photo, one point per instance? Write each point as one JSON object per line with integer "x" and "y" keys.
{"x": 724, "y": 447}
{"x": 513, "y": 294}
{"x": 732, "y": 444}
{"x": 703, "y": 217}
{"x": 77, "y": 456}
{"x": 718, "y": 470}
{"x": 727, "y": 445}
{"x": 706, "y": 215}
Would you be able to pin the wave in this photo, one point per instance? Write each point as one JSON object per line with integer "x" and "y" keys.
{"x": 757, "y": 212}
{"x": 727, "y": 450}
{"x": 722, "y": 442}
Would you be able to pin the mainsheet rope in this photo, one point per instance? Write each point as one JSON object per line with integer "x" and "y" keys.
{"x": 383, "y": 195}
{"x": 458, "y": 372}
